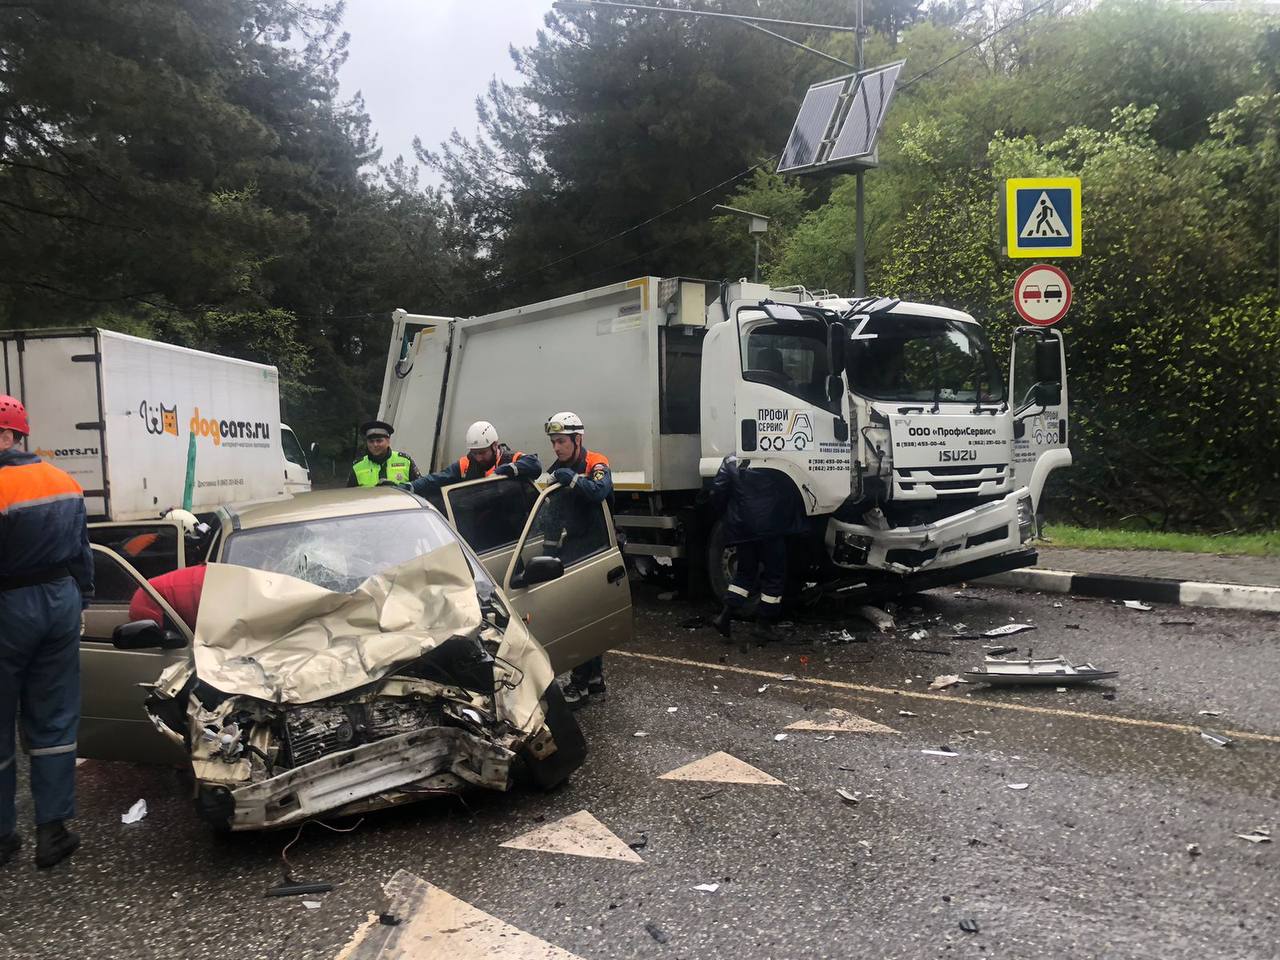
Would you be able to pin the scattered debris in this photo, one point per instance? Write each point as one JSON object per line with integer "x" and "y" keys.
{"x": 907, "y": 713}
{"x": 969, "y": 925}
{"x": 919, "y": 635}
{"x": 880, "y": 619}
{"x": 931, "y": 652}
{"x": 1177, "y": 623}
{"x": 1045, "y": 672}
{"x": 846, "y": 796}
{"x": 1108, "y": 696}
{"x": 640, "y": 733}
{"x": 789, "y": 676}
{"x": 844, "y": 636}
{"x": 708, "y": 887}
{"x": 669, "y": 595}
{"x": 763, "y": 688}
{"x": 999, "y": 651}
{"x": 656, "y": 932}
{"x": 640, "y": 844}
{"x": 1216, "y": 739}
{"x": 1057, "y": 605}
{"x": 779, "y": 737}
{"x": 672, "y": 709}
{"x": 1193, "y": 849}
{"x": 1257, "y": 835}
{"x": 311, "y": 904}
{"x": 1062, "y": 689}
{"x": 713, "y": 793}
{"x": 1210, "y": 713}
{"x": 1008, "y": 630}
{"x": 1017, "y": 786}
{"x": 941, "y": 752}
{"x": 1071, "y": 626}
{"x": 944, "y": 681}
{"x": 135, "y": 813}
{"x": 959, "y": 627}
{"x": 1138, "y": 605}
{"x": 829, "y": 737}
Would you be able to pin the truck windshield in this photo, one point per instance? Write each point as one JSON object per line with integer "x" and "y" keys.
{"x": 923, "y": 359}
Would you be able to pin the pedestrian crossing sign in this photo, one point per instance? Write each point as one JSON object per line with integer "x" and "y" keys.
{"x": 1042, "y": 217}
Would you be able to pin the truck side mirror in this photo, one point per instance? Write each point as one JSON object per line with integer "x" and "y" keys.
{"x": 1048, "y": 393}
{"x": 1049, "y": 361}
{"x": 837, "y": 337}
{"x": 835, "y": 388}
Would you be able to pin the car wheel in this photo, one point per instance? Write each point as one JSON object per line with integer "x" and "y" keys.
{"x": 571, "y": 746}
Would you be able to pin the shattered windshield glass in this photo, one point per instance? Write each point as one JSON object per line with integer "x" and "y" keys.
{"x": 341, "y": 553}
{"x": 923, "y": 359}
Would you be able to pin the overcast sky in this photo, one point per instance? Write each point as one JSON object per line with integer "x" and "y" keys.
{"x": 421, "y": 63}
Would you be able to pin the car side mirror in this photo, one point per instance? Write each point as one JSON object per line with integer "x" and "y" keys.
{"x": 543, "y": 570}
{"x": 1048, "y": 393}
{"x": 146, "y": 635}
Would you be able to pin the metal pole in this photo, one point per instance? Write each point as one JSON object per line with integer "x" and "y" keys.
{"x": 756, "y": 276}
{"x": 859, "y": 239}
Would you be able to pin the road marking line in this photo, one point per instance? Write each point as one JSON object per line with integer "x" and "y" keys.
{"x": 943, "y": 698}
{"x": 435, "y": 924}
{"x": 580, "y": 835}
{"x": 721, "y": 767}
{"x": 841, "y": 721}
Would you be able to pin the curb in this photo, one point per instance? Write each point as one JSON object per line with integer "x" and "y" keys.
{"x": 1186, "y": 593}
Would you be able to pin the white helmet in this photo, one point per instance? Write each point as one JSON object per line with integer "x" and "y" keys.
{"x": 191, "y": 525}
{"x": 481, "y": 435}
{"x": 565, "y": 423}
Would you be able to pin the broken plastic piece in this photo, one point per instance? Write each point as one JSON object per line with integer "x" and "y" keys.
{"x": 708, "y": 887}
{"x": 1137, "y": 605}
{"x": 1053, "y": 671}
{"x": 641, "y": 843}
{"x": 944, "y": 681}
{"x": 672, "y": 709}
{"x": 999, "y": 651}
{"x": 763, "y": 688}
{"x": 919, "y": 635}
{"x": 1216, "y": 739}
{"x": 135, "y": 813}
{"x": 640, "y": 733}
{"x": 906, "y": 713}
{"x": 943, "y": 752}
{"x": 846, "y": 796}
{"x": 878, "y": 618}
{"x": 1257, "y": 835}
{"x": 288, "y": 889}
{"x": 969, "y": 926}
{"x": 1008, "y": 630}
{"x": 1017, "y": 786}
{"x": 1193, "y": 849}
{"x": 656, "y": 932}
{"x": 1210, "y": 713}
{"x": 779, "y": 737}
{"x": 311, "y": 904}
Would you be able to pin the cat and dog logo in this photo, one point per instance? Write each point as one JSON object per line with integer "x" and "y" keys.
{"x": 159, "y": 419}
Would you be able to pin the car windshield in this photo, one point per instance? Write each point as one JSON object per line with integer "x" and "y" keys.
{"x": 341, "y": 553}
{"x": 923, "y": 359}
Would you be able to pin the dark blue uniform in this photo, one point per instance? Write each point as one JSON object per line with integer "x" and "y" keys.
{"x": 590, "y": 478}
{"x": 46, "y": 572}
{"x": 509, "y": 464}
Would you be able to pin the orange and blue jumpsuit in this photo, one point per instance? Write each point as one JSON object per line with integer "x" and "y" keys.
{"x": 589, "y": 477}
{"x": 46, "y": 577}
{"x": 509, "y": 464}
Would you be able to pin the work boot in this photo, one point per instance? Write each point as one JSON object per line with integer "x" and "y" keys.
{"x": 595, "y": 685}
{"x": 766, "y": 631}
{"x": 54, "y": 843}
{"x": 9, "y": 846}
{"x": 724, "y": 623}
{"x": 574, "y": 696}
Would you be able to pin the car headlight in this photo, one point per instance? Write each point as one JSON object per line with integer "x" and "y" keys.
{"x": 851, "y": 548}
{"x": 1026, "y": 519}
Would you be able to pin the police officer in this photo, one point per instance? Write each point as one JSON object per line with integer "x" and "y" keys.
{"x": 46, "y": 574}
{"x": 486, "y": 456}
{"x": 381, "y": 462}
{"x": 587, "y": 474}
{"x": 761, "y": 509}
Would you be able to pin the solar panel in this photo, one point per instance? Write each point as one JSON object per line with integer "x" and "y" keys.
{"x": 869, "y": 103}
{"x": 811, "y": 125}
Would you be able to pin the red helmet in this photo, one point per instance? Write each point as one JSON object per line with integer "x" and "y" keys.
{"x": 13, "y": 415}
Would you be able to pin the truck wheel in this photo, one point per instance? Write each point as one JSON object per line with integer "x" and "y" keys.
{"x": 721, "y": 562}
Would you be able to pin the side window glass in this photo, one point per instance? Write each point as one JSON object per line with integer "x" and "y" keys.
{"x": 491, "y": 515}
{"x": 152, "y": 549}
{"x": 790, "y": 358}
{"x": 292, "y": 449}
{"x": 566, "y": 526}
{"x": 112, "y": 583}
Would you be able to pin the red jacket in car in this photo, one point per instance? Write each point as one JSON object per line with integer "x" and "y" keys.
{"x": 181, "y": 590}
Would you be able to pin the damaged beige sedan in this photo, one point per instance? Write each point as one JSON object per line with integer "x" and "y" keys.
{"x": 353, "y": 652}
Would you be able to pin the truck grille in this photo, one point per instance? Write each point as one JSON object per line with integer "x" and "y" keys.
{"x": 950, "y": 481}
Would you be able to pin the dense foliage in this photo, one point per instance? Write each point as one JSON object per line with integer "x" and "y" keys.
{"x": 187, "y": 169}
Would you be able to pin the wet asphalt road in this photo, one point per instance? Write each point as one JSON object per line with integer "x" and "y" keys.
{"x": 1090, "y": 860}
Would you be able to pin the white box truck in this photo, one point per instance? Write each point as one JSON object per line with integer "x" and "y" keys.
{"x": 917, "y": 462}
{"x": 119, "y": 414}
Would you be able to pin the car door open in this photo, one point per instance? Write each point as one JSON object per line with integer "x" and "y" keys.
{"x": 113, "y": 723}
{"x": 584, "y": 610}
{"x": 490, "y": 514}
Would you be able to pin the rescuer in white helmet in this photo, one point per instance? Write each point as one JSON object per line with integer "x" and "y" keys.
{"x": 486, "y": 456}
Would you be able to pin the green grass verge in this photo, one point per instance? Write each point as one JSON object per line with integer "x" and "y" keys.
{"x": 1249, "y": 544}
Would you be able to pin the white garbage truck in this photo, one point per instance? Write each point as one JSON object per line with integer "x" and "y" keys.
{"x": 917, "y": 460}
{"x": 144, "y": 426}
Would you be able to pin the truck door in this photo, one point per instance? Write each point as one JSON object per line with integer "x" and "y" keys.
{"x": 113, "y": 723}
{"x": 490, "y": 514}
{"x": 297, "y": 472}
{"x": 792, "y": 415}
{"x": 1038, "y": 395}
{"x": 414, "y": 389}
{"x": 585, "y": 610}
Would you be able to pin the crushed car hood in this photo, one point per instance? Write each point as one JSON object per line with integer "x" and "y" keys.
{"x": 284, "y": 640}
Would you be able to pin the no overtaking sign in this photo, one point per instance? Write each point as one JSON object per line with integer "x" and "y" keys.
{"x": 1042, "y": 295}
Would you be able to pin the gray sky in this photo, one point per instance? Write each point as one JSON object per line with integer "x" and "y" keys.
{"x": 421, "y": 63}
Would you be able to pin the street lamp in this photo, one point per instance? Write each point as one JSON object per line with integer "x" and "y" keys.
{"x": 757, "y": 224}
